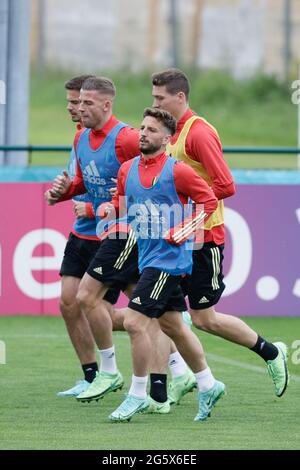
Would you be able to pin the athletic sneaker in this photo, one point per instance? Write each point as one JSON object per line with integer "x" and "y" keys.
{"x": 207, "y": 400}
{"x": 278, "y": 370}
{"x": 79, "y": 387}
{"x": 103, "y": 383}
{"x": 181, "y": 385}
{"x": 157, "y": 407}
{"x": 129, "y": 407}
{"x": 186, "y": 317}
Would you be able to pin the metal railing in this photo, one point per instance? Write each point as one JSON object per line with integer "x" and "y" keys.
{"x": 233, "y": 150}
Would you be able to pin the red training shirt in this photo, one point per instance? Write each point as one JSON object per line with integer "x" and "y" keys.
{"x": 203, "y": 145}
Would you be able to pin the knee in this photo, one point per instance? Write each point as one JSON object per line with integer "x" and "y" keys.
{"x": 83, "y": 298}
{"x": 68, "y": 307}
{"x": 208, "y": 324}
{"x": 117, "y": 318}
{"x": 131, "y": 326}
{"x": 170, "y": 329}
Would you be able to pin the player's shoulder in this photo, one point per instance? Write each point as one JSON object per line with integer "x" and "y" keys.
{"x": 129, "y": 142}
{"x": 202, "y": 131}
{"x": 180, "y": 166}
{"x": 79, "y": 132}
{"x": 126, "y": 165}
{"x": 202, "y": 124}
{"x": 129, "y": 132}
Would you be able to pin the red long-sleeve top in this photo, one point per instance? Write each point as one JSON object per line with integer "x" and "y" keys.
{"x": 88, "y": 205}
{"x": 127, "y": 147}
{"x": 203, "y": 145}
{"x": 187, "y": 183}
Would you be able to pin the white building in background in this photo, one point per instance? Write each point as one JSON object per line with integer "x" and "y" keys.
{"x": 243, "y": 36}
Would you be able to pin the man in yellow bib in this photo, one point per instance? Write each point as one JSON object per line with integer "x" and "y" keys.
{"x": 197, "y": 143}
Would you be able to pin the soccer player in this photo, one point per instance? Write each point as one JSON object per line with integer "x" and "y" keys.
{"x": 197, "y": 143}
{"x": 91, "y": 173}
{"x": 157, "y": 190}
{"x": 80, "y": 249}
{"x": 100, "y": 149}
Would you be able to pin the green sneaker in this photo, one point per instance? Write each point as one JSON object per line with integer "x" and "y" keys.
{"x": 79, "y": 387}
{"x": 278, "y": 370}
{"x": 129, "y": 407}
{"x": 180, "y": 386}
{"x": 103, "y": 383}
{"x": 155, "y": 407}
{"x": 207, "y": 400}
{"x": 187, "y": 319}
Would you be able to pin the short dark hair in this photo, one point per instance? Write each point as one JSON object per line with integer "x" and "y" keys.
{"x": 174, "y": 80}
{"x": 163, "y": 117}
{"x": 103, "y": 85}
{"x": 76, "y": 83}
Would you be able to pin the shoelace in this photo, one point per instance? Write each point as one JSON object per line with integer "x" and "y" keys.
{"x": 126, "y": 403}
{"x": 273, "y": 372}
{"x": 129, "y": 401}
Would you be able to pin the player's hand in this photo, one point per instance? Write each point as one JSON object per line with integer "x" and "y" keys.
{"x": 80, "y": 209}
{"x": 169, "y": 237}
{"x": 61, "y": 184}
{"x": 107, "y": 210}
{"x": 50, "y": 197}
{"x": 182, "y": 232}
{"x": 113, "y": 190}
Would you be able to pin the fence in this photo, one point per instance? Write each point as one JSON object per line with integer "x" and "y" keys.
{"x": 230, "y": 150}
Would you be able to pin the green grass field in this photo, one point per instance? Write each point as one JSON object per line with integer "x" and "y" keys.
{"x": 40, "y": 362}
{"x": 256, "y": 112}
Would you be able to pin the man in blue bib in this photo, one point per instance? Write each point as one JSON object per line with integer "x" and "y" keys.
{"x": 100, "y": 148}
{"x": 158, "y": 211}
{"x": 80, "y": 249}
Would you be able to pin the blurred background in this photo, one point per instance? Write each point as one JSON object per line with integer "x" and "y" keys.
{"x": 242, "y": 57}
{"x": 243, "y": 37}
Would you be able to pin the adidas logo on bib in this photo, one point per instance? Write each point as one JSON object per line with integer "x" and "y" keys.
{"x": 91, "y": 174}
{"x": 137, "y": 300}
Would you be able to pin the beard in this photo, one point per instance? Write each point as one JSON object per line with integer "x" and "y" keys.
{"x": 75, "y": 117}
{"x": 87, "y": 123}
{"x": 148, "y": 149}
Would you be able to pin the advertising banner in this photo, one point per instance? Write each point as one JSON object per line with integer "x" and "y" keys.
{"x": 262, "y": 254}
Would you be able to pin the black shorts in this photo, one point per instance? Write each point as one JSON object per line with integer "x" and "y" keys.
{"x": 205, "y": 285}
{"x": 78, "y": 254}
{"x": 157, "y": 292}
{"x": 116, "y": 262}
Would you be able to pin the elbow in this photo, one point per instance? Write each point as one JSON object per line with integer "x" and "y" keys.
{"x": 225, "y": 192}
{"x": 211, "y": 206}
{"x": 231, "y": 190}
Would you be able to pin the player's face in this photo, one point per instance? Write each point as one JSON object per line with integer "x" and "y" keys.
{"x": 93, "y": 108}
{"x": 164, "y": 100}
{"x": 73, "y": 104}
{"x": 153, "y": 136}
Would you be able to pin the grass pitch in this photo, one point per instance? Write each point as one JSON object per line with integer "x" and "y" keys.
{"x": 40, "y": 361}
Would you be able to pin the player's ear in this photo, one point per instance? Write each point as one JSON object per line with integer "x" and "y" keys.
{"x": 181, "y": 96}
{"x": 166, "y": 139}
{"x": 107, "y": 105}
